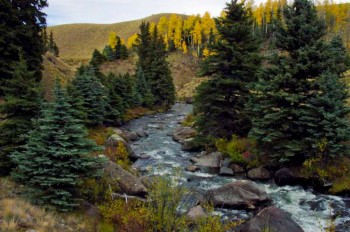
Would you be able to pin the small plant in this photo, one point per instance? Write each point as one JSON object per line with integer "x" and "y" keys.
{"x": 188, "y": 121}
{"x": 164, "y": 200}
{"x": 213, "y": 223}
{"x": 118, "y": 154}
{"x": 238, "y": 149}
{"x": 125, "y": 216}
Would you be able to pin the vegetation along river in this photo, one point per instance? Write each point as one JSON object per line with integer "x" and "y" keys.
{"x": 312, "y": 211}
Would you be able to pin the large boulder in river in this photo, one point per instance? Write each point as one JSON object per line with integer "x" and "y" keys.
{"x": 182, "y": 133}
{"x": 114, "y": 141}
{"x": 284, "y": 176}
{"x": 212, "y": 160}
{"x": 271, "y": 219}
{"x": 260, "y": 173}
{"x": 123, "y": 181}
{"x": 238, "y": 194}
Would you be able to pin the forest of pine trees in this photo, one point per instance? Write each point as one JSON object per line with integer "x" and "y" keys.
{"x": 290, "y": 101}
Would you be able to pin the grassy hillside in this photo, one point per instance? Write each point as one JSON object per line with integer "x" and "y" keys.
{"x": 55, "y": 68}
{"x": 184, "y": 70}
{"x": 77, "y": 41}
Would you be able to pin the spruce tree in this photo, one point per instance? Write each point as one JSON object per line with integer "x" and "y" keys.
{"x": 160, "y": 80}
{"x": 97, "y": 59}
{"x": 221, "y": 103}
{"x": 290, "y": 104}
{"x": 143, "y": 88}
{"x": 108, "y": 53}
{"x": 57, "y": 156}
{"x": 89, "y": 97}
{"x": 20, "y": 107}
{"x": 115, "y": 108}
{"x": 21, "y": 49}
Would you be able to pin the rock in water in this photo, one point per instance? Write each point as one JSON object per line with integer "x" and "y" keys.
{"x": 182, "y": 133}
{"x": 131, "y": 136}
{"x": 124, "y": 181}
{"x": 212, "y": 160}
{"x": 259, "y": 174}
{"x": 141, "y": 133}
{"x": 271, "y": 219}
{"x": 284, "y": 176}
{"x": 224, "y": 171}
{"x": 192, "y": 168}
{"x": 237, "y": 168}
{"x": 238, "y": 194}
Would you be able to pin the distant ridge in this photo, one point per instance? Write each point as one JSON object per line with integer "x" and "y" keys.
{"x": 77, "y": 41}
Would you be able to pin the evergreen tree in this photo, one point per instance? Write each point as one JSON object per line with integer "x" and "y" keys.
{"x": 21, "y": 48}
{"x": 290, "y": 101}
{"x": 97, "y": 59}
{"x": 160, "y": 80}
{"x": 144, "y": 50}
{"x": 20, "y": 106}
{"x": 221, "y": 103}
{"x": 56, "y": 158}
{"x": 115, "y": 107}
{"x": 143, "y": 88}
{"x": 89, "y": 97}
{"x": 108, "y": 53}
{"x": 52, "y": 46}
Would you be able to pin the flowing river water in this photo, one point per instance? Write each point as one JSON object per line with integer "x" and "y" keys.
{"x": 312, "y": 211}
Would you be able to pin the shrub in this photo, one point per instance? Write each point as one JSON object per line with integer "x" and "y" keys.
{"x": 188, "y": 121}
{"x": 125, "y": 216}
{"x": 238, "y": 149}
{"x": 118, "y": 154}
{"x": 164, "y": 202}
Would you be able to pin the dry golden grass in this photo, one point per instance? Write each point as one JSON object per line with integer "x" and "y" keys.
{"x": 77, "y": 41}
{"x": 54, "y": 68}
{"x": 17, "y": 214}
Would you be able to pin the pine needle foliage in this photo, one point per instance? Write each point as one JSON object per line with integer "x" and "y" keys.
{"x": 57, "y": 156}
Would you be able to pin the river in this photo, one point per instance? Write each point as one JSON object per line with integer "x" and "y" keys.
{"x": 312, "y": 211}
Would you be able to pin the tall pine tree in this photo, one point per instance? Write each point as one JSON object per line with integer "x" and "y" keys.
{"x": 21, "y": 48}
{"x": 89, "y": 97}
{"x": 221, "y": 103}
{"x": 291, "y": 101}
{"x": 160, "y": 80}
{"x": 57, "y": 156}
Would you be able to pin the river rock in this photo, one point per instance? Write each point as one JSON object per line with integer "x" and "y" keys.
{"x": 182, "y": 133}
{"x": 141, "y": 133}
{"x": 259, "y": 174}
{"x": 113, "y": 141}
{"x": 271, "y": 219}
{"x": 196, "y": 212}
{"x": 131, "y": 136}
{"x": 124, "y": 181}
{"x": 284, "y": 176}
{"x": 224, "y": 171}
{"x": 192, "y": 168}
{"x": 237, "y": 168}
{"x": 226, "y": 163}
{"x": 238, "y": 194}
{"x": 211, "y": 160}
{"x": 188, "y": 145}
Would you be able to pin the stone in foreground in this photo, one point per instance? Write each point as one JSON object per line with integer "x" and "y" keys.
{"x": 271, "y": 219}
{"x": 241, "y": 194}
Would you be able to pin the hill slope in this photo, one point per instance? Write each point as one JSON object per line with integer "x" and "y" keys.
{"x": 54, "y": 69}
{"x": 77, "y": 41}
